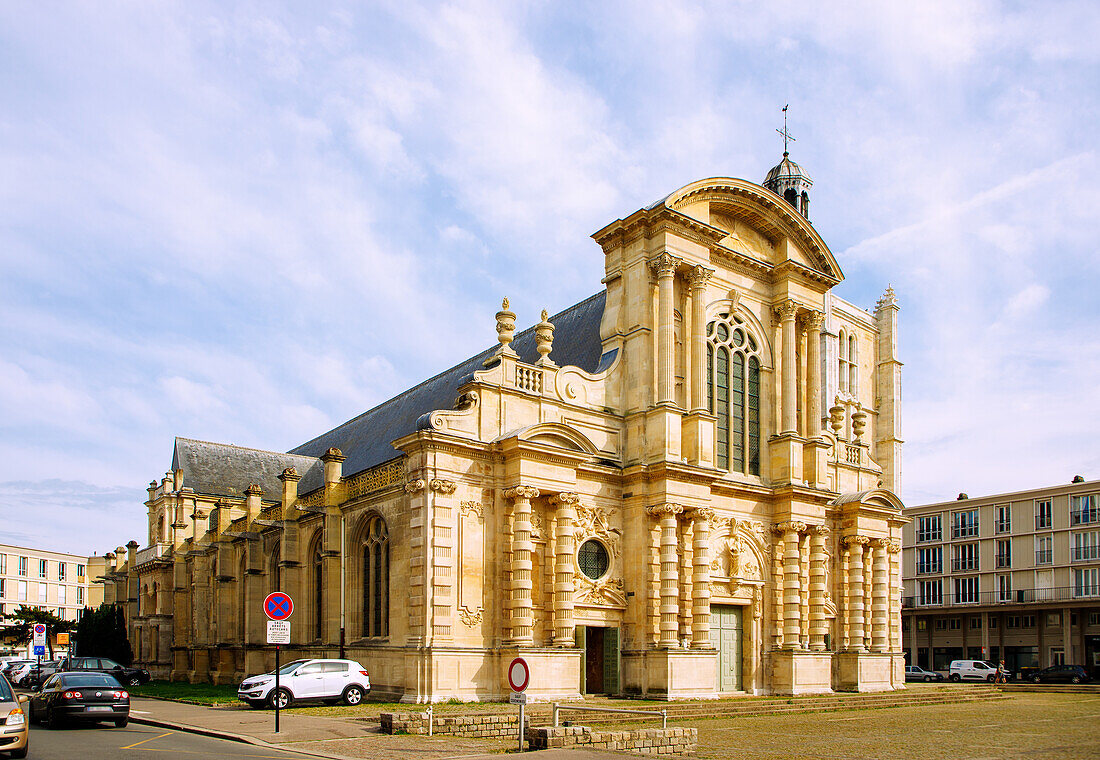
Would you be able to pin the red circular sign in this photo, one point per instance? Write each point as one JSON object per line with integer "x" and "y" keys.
{"x": 278, "y": 605}
{"x": 519, "y": 675}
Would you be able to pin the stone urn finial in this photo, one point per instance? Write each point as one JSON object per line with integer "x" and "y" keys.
{"x": 836, "y": 418}
{"x": 544, "y": 335}
{"x": 506, "y": 328}
{"x": 859, "y": 423}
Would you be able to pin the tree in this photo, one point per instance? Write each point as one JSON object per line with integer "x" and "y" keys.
{"x": 22, "y": 622}
{"x": 102, "y": 633}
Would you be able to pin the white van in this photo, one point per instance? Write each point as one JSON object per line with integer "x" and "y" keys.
{"x": 972, "y": 670}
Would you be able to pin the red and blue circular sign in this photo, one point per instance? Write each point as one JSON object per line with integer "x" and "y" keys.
{"x": 278, "y": 605}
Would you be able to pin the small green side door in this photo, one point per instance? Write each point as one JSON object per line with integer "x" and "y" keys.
{"x": 725, "y": 636}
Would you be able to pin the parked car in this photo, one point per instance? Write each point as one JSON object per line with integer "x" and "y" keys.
{"x": 974, "y": 670}
{"x": 86, "y": 696}
{"x": 14, "y": 731}
{"x": 38, "y": 673}
{"x": 1061, "y": 674}
{"x": 11, "y": 665}
{"x": 345, "y": 680}
{"x": 915, "y": 673}
{"x": 127, "y": 676}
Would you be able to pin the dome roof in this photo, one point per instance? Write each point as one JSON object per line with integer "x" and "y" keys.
{"x": 787, "y": 171}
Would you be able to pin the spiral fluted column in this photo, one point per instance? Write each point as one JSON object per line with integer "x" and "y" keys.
{"x": 523, "y": 614}
{"x": 855, "y": 591}
{"x": 670, "y": 576}
{"x": 700, "y": 582}
{"x": 880, "y": 604}
{"x": 819, "y": 625}
{"x": 563, "y": 569}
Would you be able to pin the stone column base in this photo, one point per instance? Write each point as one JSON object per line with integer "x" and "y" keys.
{"x": 664, "y": 427}
{"x": 698, "y": 438}
{"x": 801, "y": 672}
{"x": 671, "y": 673}
{"x": 866, "y": 671}
{"x": 815, "y": 463}
{"x": 785, "y": 451}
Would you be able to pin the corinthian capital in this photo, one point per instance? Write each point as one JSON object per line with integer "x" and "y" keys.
{"x": 664, "y": 265}
{"x": 813, "y": 320}
{"x": 660, "y": 510}
{"x": 786, "y": 310}
{"x": 521, "y": 492}
{"x": 790, "y": 526}
{"x": 821, "y": 530}
{"x": 704, "y": 514}
{"x": 699, "y": 277}
{"x": 442, "y": 486}
{"x": 880, "y": 543}
{"x": 566, "y": 498}
{"x": 856, "y": 540}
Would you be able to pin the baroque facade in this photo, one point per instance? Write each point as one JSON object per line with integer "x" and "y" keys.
{"x": 683, "y": 486}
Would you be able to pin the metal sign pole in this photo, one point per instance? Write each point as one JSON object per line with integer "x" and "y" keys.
{"x": 276, "y": 692}
{"x": 521, "y": 707}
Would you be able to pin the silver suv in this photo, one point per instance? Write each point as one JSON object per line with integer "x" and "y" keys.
{"x": 332, "y": 680}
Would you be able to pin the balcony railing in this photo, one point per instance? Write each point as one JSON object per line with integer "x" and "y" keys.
{"x": 964, "y": 531}
{"x": 964, "y": 563}
{"x": 150, "y": 552}
{"x": 1085, "y": 553}
{"x": 1044, "y": 556}
{"x": 1019, "y": 596}
{"x": 1043, "y": 521}
{"x": 930, "y": 568}
{"x": 1084, "y": 516}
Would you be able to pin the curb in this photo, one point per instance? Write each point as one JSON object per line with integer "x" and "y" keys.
{"x": 242, "y": 738}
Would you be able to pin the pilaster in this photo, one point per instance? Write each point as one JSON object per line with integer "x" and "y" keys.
{"x": 700, "y": 582}
{"x": 523, "y": 615}
{"x": 564, "y": 627}
{"x": 666, "y": 514}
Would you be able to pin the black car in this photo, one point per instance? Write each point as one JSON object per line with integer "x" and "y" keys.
{"x": 1061, "y": 674}
{"x": 127, "y": 676}
{"x": 80, "y": 696}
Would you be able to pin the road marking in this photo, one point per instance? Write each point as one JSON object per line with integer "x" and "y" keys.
{"x": 131, "y": 746}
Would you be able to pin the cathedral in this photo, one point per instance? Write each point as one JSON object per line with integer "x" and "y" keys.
{"x": 681, "y": 487}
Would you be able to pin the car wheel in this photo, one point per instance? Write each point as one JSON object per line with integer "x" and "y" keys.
{"x": 353, "y": 695}
{"x": 928, "y": 679}
{"x": 955, "y": 677}
{"x": 281, "y": 699}
{"x": 121, "y": 722}
{"x": 134, "y": 681}
{"x": 1075, "y": 679}
{"x": 991, "y": 679}
{"x": 20, "y": 752}
{"x": 1035, "y": 679}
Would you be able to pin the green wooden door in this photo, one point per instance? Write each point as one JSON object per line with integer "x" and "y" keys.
{"x": 611, "y": 660}
{"x": 725, "y": 635}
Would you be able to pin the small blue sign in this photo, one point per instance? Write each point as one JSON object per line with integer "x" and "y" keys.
{"x": 39, "y": 650}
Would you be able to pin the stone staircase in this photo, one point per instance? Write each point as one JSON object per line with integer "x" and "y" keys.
{"x": 1055, "y": 688}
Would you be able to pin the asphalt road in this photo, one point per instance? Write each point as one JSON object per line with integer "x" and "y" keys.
{"x": 104, "y": 741}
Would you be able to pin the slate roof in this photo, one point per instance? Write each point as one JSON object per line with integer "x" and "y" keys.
{"x": 221, "y": 469}
{"x": 365, "y": 440}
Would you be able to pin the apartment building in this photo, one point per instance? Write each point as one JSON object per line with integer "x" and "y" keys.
{"x": 1013, "y": 576}
{"x": 62, "y": 583}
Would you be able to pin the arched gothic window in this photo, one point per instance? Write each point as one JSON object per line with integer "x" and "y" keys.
{"x": 842, "y": 361}
{"x": 853, "y": 365}
{"x": 733, "y": 394}
{"x": 376, "y": 578}
{"x": 318, "y": 573}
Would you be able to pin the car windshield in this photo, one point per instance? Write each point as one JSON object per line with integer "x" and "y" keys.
{"x": 289, "y": 668}
{"x": 5, "y": 691}
{"x": 90, "y": 679}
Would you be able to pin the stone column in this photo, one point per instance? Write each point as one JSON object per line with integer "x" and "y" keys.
{"x": 670, "y": 575}
{"x": 819, "y": 626}
{"x": 855, "y": 591}
{"x": 845, "y": 604}
{"x": 700, "y": 583}
{"x": 664, "y": 266}
{"x": 868, "y": 592}
{"x": 880, "y": 597}
{"x": 418, "y": 590}
{"x": 804, "y": 590}
{"x": 814, "y": 321}
{"x": 787, "y": 311}
{"x": 686, "y": 560}
{"x": 523, "y": 612}
{"x": 699, "y": 278}
{"x": 563, "y": 570}
{"x": 777, "y": 588}
{"x": 792, "y": 583}
{"x": 441, "y": 558}
{"x": 894, "y": 547}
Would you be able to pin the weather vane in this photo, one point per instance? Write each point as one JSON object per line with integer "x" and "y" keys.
{"x": 786, "y": 135}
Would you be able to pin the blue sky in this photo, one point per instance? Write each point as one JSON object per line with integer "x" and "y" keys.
{"x": 248, "y": 222}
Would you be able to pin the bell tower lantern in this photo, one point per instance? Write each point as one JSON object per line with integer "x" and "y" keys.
{"x": 788, "y": 180}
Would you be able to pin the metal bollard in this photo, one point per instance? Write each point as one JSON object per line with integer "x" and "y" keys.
{"x": 664, "y": 718}
{"x": 431, "y": 721}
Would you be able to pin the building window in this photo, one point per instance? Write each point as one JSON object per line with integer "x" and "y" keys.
{"x": 930, "y": 528}
{"x": 1057, "y": 656}
{"x": 930, "y": 560}
{"x": 931, "y": 592}
{"x": 954, "y": 624}
{"x": 21, "y": 591}
{"x": 212, "y": 521}
{"x": 1043, "y": 514}
{"x": 22, "y": 567}
{"x": 1004, "y": 552}
{"x": 318, "y": 577}
{"x": 941, "y": 624}
{"x": 3, "y": 564}
{"x": 43, "y": 566}
{"x": 61, "y": 595}
{"x": 376, "y": 578}
{"x": 1004, "y": 588}
{"x": 1084, "y": 510}
{"x": 922, "y": 625}
{"x": 964, "y": 557}
{"x": 80, "y": 595}
{"x": 1086, "y": 581}
{"x": 975, "y": 623}
{"x": 1094, "y": 618}
{"x": 842, "y": 360}
{"x": 80, "y": 572}
{"x": 964, "y": 524}
{"x": 733, "y": 394}
{"x": 1004, "y": 518}
{"x": 905, "y": 625}
{"x": 1044, "y": 550}
{"x": 61, "y": 571}
{"x": 42, "y": 592}
{"x": 3, "y": 588}
{"x": 966, "y": 590}
{"x": 593, "y": 559}
{"x": 1086, "y": 546}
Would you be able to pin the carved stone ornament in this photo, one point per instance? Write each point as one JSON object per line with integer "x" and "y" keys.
{"x": 787, "y": 310}
{"x": 415, "y": 485}
{"x": 471, "y": 508}
{"x": 789, "y": 526}
{"x": 565, "y": 498}
{"x": 859, "y": 422}
{"x": 445, "y": 487}
{"x": 522, "y": 492}
{"x": 880, "y": 543}
{"x": 506, "y": 325}
{"x": 607, "y": 592}
{"x": 468, "y": 617}
{"x": 290, "y": 474}
{"x": 856, "y": 540}
{"x": 894, "y": 546}
{"x": 836, "y": 417}
{"x": 702, "y": 514}
{"x": 813, "y": 320}
{"x": 821, "y": 530}
{"x": 544, "y": 340}
{"x": 664, "y": 265}
{"x": 660, "y": 510}
{"x": 699, "y": 277}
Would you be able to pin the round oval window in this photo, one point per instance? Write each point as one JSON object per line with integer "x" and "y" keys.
{"x": 593, "y": 559}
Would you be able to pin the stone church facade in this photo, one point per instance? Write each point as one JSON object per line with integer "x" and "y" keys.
{"x": 683, "y": 486}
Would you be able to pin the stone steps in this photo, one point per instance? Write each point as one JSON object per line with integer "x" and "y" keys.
{"x": 1057, "y": 688}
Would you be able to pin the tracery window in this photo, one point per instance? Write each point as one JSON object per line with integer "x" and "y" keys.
{"x": 733, "y": 394}
{"x": 376, "y": 578}
{"x": 317, "y": 567}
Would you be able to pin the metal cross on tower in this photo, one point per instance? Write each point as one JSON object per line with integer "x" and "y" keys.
{"x": 786, "y": 135}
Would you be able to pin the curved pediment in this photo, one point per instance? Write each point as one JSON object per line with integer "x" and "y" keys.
{"x": 555, "y": 434}
{"x": 876, "y": 497}
{"x": 756, "y": 220}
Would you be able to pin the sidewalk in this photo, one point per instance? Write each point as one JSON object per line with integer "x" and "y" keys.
{"x": 339, "y": 738}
